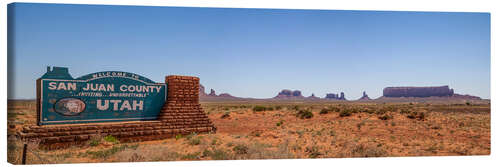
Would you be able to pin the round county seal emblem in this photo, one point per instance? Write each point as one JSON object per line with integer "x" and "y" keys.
{"x": 69, "y": 106}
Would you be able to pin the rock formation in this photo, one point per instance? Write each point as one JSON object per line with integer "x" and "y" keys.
{"x": 335, "y": 96}
{"x": 202, "y": 90}
{"x": 468, "y": 97}
{"x": 439, "y": 91}
{"x": 296, "y": 93}
{"x": 285, "y": 93}
{"x": 365, "y": 96}
{"x": 212, "y": 92}
{"x": 313, "y": 97}
{"x": 213, "y": 96}
{"x": 225, "y": 95}
{"x": 331, "y": 96}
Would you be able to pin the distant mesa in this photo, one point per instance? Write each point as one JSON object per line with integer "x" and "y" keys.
{"x": 437, "y": 91}
{"x": 432, "y": 91}
{"x": 289, "y": 94}
{"x": 334, "y": 96}
{"x": 364, "y": 97}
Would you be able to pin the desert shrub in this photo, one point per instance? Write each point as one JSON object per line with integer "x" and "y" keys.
{"x": 134, "y": 146}
{"x": 366, "y": 151}
{"x": 107, "y": 152}
{"x": 355, "y": 110}
{"x": 191, "y": 156}
{"x": 178, "y": 136}
{"x": 467, "y": 103}
{"x": 404, "y": 111}
{"x": 278, "y": 107}
{"x": 327, "y": 110}
{"x": 191, "y": 135}
{"x": 206, "y": 153}
{"x": 270, "y": 109}
{"x": 136, "y": 158}
{"x": 194, "y": 140}
{"x": 362, "y": 123}
{"x": 304, "y": 114}
{"x": 95, "y": 140}
{"x": 225, "y": 115}
{"x": 390, "y": 108}
{"x": 297, "y": 108}
{"x": 256, "y": 133}
{"x": 332, "y": 133}
{"x": 324, "y": 111}
{"x": 14, "y": 150}
{"x": 214, "y": 141}
{"x": 296, "y": 147}
{"x": 300, "y": 133}
{"x": 219, "y": 154}
{"x": 111, "y": 139}
{"x": 420, "y": 115}
{"x": 11, "y": 115}
{"x": 435, "y": 127}
{"x": 259, "y": 108}
{"x": 345, "y": 113}
{"x": 240, "y": 149}
{"x": 11, "y": 145}
{"x": 381, "y": 111}
{"x": 313, "y": 152}
{"x": 433, "y": 148}
{"x": 258, "y": 150}
{"x": 416, "y": 115}
{"x": 385, "y": 117}
{"x": 461, "y": 150}
{"x": 165, "y": 155}
{"x": 279, "y": 123}
{"x": 367, "y": 110}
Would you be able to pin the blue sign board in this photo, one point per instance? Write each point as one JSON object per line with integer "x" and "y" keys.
{"x": 97, "y": 97}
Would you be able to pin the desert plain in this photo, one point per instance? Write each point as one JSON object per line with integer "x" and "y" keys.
{"x": 287, "y": 130}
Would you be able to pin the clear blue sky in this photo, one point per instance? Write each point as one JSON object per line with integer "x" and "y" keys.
{"x": 254, "y": 52}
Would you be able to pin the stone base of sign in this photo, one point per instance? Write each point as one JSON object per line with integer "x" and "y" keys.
{"x": 55, "y": 136}
{"x": 181, "y": 114}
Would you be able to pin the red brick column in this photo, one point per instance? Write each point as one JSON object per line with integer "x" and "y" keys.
{"x": 183, "y": 108}
{"x": 183, "y": 89}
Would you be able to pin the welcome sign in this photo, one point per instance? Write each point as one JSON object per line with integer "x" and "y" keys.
{"x": 97, "y": 97}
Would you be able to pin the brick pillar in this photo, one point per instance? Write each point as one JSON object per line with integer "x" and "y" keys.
{"x": 183, "y": 89}
{"x": 182, "y": 108}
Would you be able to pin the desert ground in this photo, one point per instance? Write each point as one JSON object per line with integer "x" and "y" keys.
{"x": 286, "y": 130}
